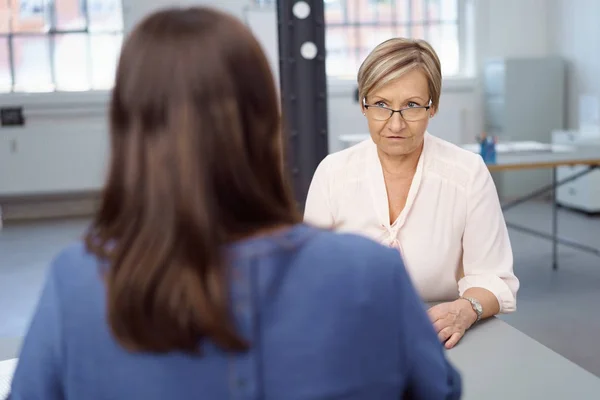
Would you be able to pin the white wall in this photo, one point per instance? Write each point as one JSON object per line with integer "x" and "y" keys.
{"x": 46, "y": 157}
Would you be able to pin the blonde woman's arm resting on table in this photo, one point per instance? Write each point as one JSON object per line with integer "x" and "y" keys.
{"x": 487, "y": 263}
{"x": 317, "y": 210}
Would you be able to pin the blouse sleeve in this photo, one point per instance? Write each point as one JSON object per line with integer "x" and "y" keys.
{"x": 317, "y": 210}
{"x": 487, "y": 252}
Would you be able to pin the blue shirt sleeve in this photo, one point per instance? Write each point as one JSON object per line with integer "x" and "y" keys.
{"x": 38, "y": 374}
{"x": 430, "y": 375}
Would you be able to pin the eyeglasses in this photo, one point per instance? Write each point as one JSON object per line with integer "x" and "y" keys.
{"x": 410, "y": 114}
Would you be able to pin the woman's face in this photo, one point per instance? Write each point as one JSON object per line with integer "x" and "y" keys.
{"x": 397, "y": 135}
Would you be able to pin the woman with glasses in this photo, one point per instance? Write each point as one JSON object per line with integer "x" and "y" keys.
{"x": 433, "y": 201}
{"x": 198, "y": 279}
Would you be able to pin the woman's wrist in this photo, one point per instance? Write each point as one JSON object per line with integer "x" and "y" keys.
{"x": 468, "y": 310}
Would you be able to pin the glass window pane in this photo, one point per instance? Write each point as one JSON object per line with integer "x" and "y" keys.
{"x": 417, "y": 10}
{"x": 32, "y": 64}
{"x": 69, "y": 15}
{"x": 352, "y": 11}
{"x": 30, "y": 16}
{"x": 375, "y": 11}
{"x": 4, "y": 17}
{"x": 5, "y": 79}
{"x": 71, "y": 62}
{"x": 334, "y": 11}
{"x": 336, "y": 38}
{"x": 353, "y": 40}
{"x": 449, "y": 10}
{"x": 105, "y": 50}
{"x": 401, "y": 31}
{"x": 371, "y": 36}
{"x": 337, "y": 63}
{"x": 383, "y": 11}
{"x": 442, "y": 10}
{"x": 105, "y": 15}
{"x": 400, "y": 8}
{"x": 433, "y": 9}
{"x": 342, "y": 53}
{"x": 444, "y": 39}
{"x": 418, "y": 32}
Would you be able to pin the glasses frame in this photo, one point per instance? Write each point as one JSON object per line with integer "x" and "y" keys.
{"x": 400, "y": 111}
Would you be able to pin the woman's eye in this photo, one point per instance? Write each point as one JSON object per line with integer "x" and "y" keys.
{"x": 412, "y": 104}
{"x": 380, "y": 104}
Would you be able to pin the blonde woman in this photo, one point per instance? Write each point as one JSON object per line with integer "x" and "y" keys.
{"x": 433, "y": 201}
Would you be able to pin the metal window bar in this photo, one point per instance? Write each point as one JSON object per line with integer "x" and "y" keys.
{"x": 11, "y": 57}
{"x": 410, "y": 23}
{"x": 85, "y": 9}
{"x": 394, "y": 19}
{"x": 462, "y": 34}
{"x": 52, "y": 39}
{"x": 425, "y": 22}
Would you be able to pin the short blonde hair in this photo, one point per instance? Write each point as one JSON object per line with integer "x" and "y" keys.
{"x": 395, "y": 57}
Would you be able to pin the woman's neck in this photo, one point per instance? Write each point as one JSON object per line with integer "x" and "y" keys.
{"x": 400, "y": 167}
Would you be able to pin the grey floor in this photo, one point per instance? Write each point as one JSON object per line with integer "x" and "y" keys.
{"x": 560, "y": 308}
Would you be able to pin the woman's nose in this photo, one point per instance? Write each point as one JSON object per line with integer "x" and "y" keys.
{"x": 396, "y": 123}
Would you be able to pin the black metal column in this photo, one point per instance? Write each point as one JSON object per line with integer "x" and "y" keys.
{"x": 303, "y": 88}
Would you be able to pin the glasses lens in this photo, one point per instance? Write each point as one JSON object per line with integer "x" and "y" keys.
{"x": 414, "y": 114}
{"x": 379, "y": 113}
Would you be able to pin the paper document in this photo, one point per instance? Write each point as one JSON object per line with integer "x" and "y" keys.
{"x": 7, "y": 369}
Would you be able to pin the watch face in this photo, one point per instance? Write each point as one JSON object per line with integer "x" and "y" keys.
{"x": 478, "y": 308}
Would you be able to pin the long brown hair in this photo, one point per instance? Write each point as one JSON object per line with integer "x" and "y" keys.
{"x": 196, "y": 164}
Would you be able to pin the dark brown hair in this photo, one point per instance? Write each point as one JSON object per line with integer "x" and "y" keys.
{"x": 197, "y": 162}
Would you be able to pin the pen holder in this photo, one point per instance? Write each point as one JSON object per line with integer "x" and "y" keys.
{"x": 488, "y": 150}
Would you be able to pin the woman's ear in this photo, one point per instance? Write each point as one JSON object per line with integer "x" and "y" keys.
{"x": 432, "y": 111}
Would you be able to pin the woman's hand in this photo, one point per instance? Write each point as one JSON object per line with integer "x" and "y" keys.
{"x": 451, "y": 320}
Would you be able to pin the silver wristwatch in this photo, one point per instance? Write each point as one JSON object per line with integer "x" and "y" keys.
{"x": 476, "y": 306}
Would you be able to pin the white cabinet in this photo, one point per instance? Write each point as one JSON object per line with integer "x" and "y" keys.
{"x": 582, "y": 194}
{"x": 53, "y": 160}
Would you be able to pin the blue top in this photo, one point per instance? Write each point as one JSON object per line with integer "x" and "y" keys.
{"x": 329, "y": 316}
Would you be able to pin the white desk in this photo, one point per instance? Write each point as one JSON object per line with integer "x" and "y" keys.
{"x": 498, "y": 362}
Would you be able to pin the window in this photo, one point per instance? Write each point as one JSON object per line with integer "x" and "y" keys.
{"x": 59, "y": 45}
{"x": 355, "y": 27}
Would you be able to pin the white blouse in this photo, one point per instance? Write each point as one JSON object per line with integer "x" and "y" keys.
{"x": 451, "y": 233}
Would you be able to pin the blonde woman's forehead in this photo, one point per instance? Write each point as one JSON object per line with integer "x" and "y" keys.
{"x": 411, "y": 86}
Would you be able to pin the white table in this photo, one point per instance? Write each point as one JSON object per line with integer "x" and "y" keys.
{"x": 498, "y": 362}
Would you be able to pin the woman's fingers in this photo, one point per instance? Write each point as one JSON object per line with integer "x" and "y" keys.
{"x": 456, "y": 336}
{"x": 445, "y": 334}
